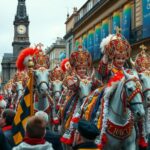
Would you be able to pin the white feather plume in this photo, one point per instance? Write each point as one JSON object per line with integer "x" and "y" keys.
{"x": 105, "y": 41}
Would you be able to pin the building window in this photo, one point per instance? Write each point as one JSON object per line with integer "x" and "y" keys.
{"x": 89, "y": 5}
{"x": 95, "y": 2}
{"x": 84, "y": 10}
{"x": 81, "y": 13}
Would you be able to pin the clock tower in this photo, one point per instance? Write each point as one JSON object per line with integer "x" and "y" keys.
{"x": 21, "y": 29}
{"x": 20, "y": 41}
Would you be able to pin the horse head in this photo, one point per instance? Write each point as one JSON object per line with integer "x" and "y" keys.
{"x": 85, "y": 86}
{"x": 8, "y": 88}
{"x": 145, "y": 82}
{"x": 56, "y": 79}
{"x": 132, "y": 88}
{"x": 57, "y": 87}
{"x": 18, "y": 88}
{"x": 41, "y": 80}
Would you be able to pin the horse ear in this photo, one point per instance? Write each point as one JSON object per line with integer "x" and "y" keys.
{"x": 93, "y": 73}
{"x": 132, "y": 63}
{"x": 126, "y": 75}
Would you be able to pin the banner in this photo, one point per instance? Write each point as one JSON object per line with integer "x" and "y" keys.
{"x": 105, "y": 28}
{"x": 97, "y": 40}
{"x": 115, "y": 21}
{"x": 84, "y": 42}
{"x": 76, "y": 44}
{"x": 90, "y": 42}
{"x": 146, "y": 18}
{"x": 126, "y": 21}
{"x": 24, "y": 111}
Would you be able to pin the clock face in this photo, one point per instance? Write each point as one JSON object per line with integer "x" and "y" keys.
{"x": 21, "y": 29}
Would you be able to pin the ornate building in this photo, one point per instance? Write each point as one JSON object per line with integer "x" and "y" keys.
{"x": 20, "y": 41}
{"x": 97, "y": 18}
{"x": 55, "y": 52}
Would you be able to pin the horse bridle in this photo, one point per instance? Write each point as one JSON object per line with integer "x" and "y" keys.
{"x": 38, "y": 86}
{"x": 130, "y": 97}
{"x": 146, "y": 90}
{"x": 134, "y": 93}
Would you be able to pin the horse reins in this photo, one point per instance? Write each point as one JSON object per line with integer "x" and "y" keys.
{"x": 38, "y": 86}
{"x": 134, "y": 93}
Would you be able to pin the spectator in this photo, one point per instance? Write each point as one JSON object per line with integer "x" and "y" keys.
{"x": 2, "y": 104}
{"x": 4, "y": 145}
{"x": 6, "y": 124}
{"x": 87, "y": 135}
{"x": 50, "y": 136}
{"x": 35, "y": 131}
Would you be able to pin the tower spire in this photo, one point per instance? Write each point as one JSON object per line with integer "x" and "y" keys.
{"x": 21, "y": 11}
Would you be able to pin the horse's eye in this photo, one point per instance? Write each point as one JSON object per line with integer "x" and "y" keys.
{"x": 142, "y": 81}
{"x": 130, "y": 89}
{"x": 35, "y": 75}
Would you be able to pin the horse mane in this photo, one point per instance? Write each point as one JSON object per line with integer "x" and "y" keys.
{"x": 111, "y": 89}
{"x": 113, "y": 83}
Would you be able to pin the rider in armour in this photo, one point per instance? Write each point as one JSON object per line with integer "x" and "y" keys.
{"x": 80, "y": 62}
{"x": 116, "y": 51}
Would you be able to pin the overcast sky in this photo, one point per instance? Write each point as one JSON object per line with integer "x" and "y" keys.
{"x": 47, "y": 18}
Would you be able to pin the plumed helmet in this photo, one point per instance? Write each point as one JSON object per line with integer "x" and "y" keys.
{"x": 25, "y": 56}
{"x": 57, "y": 74}
{"x": 65, "y": 64}
{"x": 115, "y": 45}
{"x": 142, "y": 61}
{"x": 80, "y": 58}
{"x": 2, "y": 102}
{"x": 40, "y": 59}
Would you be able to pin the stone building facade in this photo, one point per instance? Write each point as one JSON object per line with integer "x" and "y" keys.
{"x": 97, "y": 18}
{"x": 20, "y": 41}
{"x": 54, "y": 52}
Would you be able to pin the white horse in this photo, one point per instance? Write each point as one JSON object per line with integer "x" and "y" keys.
{"x": 18, "y": 91}
{"x": 145, "y": 82}
{"x": 42, "y": 99}
{"x": 123, "y": 100}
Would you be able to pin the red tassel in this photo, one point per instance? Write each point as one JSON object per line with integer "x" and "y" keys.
{"x": 100, "y": 146}
{"x": 67, "y": 141}
{"x": 142, "y": 142}
{"x": 75, "y": 120}
{"x": 57, "y": 107}
{"x": 55, "y": 121}
{"x": 104, "y": 139}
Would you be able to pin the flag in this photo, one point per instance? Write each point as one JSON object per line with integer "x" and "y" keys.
{"x": 115, "y": 21}
{"x": 24, "y": 111}
{"x": 126, "y": 21}
{"x": 97, "y": 41}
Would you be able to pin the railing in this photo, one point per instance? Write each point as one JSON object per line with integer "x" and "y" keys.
{"x": 78, "y": 20}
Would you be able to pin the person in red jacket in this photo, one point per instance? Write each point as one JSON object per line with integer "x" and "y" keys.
{"x": 6, "y": 124}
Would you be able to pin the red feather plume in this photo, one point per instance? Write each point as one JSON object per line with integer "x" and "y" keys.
{"x": 23, "y": 54}
{"x": 64, "y": 61}
{"x": 1, "y": 97}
